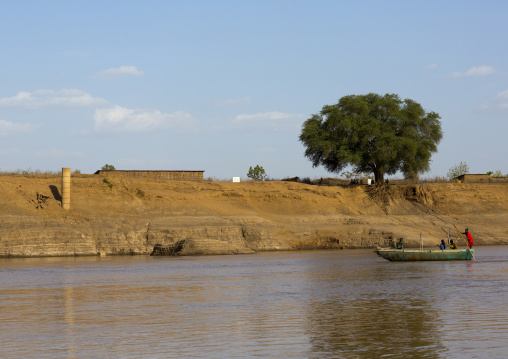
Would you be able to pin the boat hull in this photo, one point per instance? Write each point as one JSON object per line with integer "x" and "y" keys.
{"x": 396, "y": 255}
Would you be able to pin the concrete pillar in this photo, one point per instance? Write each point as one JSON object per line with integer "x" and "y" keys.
{"x": 66, "y": 188}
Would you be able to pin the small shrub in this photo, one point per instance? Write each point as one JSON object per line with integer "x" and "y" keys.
{"x": 257, "y": 173}
{"x": 498, "y": 173}
{"x": 30, "y": 171}
{"x": 106, "y": 181}
{"x": 458, "y": 170}
{"x": 306, "y": 180}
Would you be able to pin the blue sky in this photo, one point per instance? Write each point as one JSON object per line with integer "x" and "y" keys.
{"x": 221, "y": 86}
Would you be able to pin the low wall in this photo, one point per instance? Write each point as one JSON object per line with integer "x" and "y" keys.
{"x": 499, "y": 179}
{"x": 163, "y": 175}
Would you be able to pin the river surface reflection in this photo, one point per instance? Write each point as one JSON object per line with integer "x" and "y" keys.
{"x": 322, "y": 304}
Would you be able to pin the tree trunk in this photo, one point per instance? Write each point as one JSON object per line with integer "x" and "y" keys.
{"x": 378, "y": 175}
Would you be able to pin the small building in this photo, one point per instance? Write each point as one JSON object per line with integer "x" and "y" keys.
{"x": 472, "y": 178}
{"x": 479, "y": 178}
{"x": 162, "y": 175}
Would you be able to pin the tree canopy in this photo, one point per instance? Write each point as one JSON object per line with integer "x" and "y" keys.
{"x": 257, "y": 173}
{"x": 107, "y": 167}
{"x": 373, "y": 133}
{"x": 458, "y": 170}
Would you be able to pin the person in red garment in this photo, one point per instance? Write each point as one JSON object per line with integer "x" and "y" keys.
{"x": 469, "y": 238}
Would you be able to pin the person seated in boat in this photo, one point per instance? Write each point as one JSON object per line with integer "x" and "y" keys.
{"x": 442, "y": 246}
{"x": 453, "y": 245}
{"x": 400, "y": 243}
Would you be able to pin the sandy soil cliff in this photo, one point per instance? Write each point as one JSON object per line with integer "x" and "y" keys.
{"x": 224, "y": 218}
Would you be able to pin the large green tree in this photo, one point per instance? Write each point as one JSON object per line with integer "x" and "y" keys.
{"x": 373, "y": 134}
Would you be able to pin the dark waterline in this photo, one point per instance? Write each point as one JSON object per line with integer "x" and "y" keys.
{"x": 333, "y": 304}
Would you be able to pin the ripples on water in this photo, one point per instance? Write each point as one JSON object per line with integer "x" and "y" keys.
{"x": 334, "y": 304}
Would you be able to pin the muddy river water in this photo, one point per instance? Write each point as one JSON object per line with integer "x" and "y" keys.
{"x": 320, "y": 304}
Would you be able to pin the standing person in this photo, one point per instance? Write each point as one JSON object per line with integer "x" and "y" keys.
{"x": 442, "y": 246}
{"x": 469, "y": 238}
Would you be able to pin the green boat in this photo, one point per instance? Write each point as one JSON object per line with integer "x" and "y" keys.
{"x": 394, "y": 255}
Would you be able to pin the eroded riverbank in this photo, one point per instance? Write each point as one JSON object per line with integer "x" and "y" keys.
{"x": 226, "y": 218}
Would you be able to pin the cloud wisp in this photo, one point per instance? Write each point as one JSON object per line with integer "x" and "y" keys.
{"x": 107, "y": 117}
{"x": 120, "y": 119}
{"x": 266, "y": 116}
{"x": 51, "y": 99}
{"x": 498, "y": 103}
{"x": 271, "y": 121}
{"x": 476, "y": 71}
{"x": 118, "y": 72}
{"x": 58, "y": 154}
{"x": 235, "y": 101}
{"x": 8, "y": 151}
{"x": 8, "y": 128}
{"x": 75, "y": 53}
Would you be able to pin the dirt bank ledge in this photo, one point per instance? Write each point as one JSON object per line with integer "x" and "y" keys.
{"x": 227, "y": 218}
